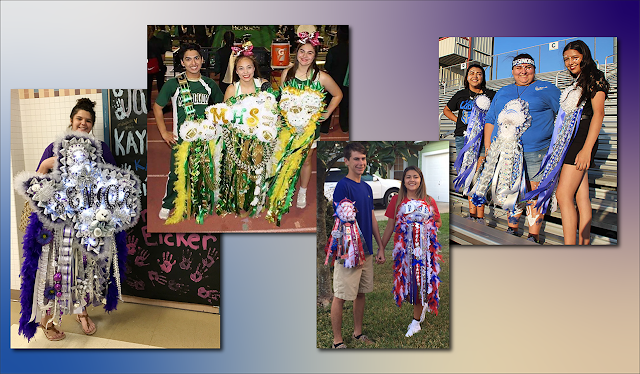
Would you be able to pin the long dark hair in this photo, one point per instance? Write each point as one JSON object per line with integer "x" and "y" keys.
{"x": 256, "y": 71}
{"x": 292, "y": 72}
{"x": 228, "y": 37}
{"x": 590, "y": 75}
{"x": 483, "y": 85}
{"x": 422, "y": 189}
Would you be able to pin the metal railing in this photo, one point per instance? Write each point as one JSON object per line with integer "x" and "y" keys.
{"x": 609, "y": 68}
{"x": 492, "y": 73}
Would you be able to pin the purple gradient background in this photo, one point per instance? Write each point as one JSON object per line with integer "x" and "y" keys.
{"x": 513, "y": 309}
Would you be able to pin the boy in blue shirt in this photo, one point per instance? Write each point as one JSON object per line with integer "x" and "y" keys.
{"x": 354, "y": 283}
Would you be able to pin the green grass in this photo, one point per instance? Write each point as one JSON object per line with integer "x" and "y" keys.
{"x": 384, "y": 322}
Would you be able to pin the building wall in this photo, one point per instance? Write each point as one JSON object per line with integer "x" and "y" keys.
{"x": 434, "y": 163}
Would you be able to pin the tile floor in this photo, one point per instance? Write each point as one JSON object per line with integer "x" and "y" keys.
{"x": 131, "y": 326}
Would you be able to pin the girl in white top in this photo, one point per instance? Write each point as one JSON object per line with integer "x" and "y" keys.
{"x": 246, "y": 76}
{"x": 304, "y": 69}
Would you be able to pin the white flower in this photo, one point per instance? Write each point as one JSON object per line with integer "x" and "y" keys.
{"x": 570, "y": 97}
{"x": 483, "y": 102}
{"x": 346, "y": 211}
{"x": 511, "y": 117}
{"x": 508, "y": 131}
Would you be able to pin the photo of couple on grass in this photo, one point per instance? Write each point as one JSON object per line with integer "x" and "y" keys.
{"x": 406, "y": 291}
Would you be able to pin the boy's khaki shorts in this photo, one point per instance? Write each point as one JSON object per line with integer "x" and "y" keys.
{"x": 349, "y": 282}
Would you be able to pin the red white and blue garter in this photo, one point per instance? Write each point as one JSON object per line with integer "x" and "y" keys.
{"x": 416, "y": 257}
{"x": 346, "y": 243}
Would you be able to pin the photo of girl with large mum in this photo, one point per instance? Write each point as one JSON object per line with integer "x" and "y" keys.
{"x": 85, "y": 273}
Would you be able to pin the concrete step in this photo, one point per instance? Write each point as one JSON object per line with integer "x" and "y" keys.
{"x": 551, "y": 233}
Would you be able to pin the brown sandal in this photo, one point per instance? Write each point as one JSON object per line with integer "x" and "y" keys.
{"x": 86, "y": 320}
{"x": 52, "y": 333}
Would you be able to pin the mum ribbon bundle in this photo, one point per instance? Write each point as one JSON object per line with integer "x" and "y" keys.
{"x": 346, "y": 243}
{"x": 75, "y": 243}
{"x": 564, "y": 130}
{"x": 416, "y": 254}
{"x": 504, "y": 165}
{"x": 467, "y": 159}
{"x": 249, "y": 124}
{"x": 195, "y": 163}
{"x": 301, "y": 106}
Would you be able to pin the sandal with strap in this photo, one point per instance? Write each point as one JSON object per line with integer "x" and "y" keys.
{"x": 52, "y": 333}
{"x": 86, "y": 320}
{"x": 363, "y": 338}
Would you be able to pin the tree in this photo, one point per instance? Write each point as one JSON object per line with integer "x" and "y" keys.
{"x": 380, "y": 156}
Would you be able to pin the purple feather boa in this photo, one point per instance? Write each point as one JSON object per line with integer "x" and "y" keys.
{"x": 112, "y": 289}
{"x": 31, "y": 253}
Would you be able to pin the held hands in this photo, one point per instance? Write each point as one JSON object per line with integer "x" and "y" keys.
{"x": 169, "y": 138}
{"x": 380, "y": 256}
{"x": 583, "y": 159}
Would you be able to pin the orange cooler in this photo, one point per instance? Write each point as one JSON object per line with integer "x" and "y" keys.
{"x": 279, "y": 53}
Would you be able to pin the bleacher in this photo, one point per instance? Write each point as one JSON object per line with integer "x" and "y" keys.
{"x": 603, "y": 180}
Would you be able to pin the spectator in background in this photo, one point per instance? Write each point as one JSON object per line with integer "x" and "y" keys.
{"x": 156, "y": 69}
{"x": 337, "y": 66}
{"x": 222, "y": 59}
{"x": 202, "y": 37}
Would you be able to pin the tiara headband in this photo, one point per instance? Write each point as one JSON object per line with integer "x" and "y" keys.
{"x": 521, "y": 61}
{"x": 312, "y": 38}
{"x": 245, "y": 50}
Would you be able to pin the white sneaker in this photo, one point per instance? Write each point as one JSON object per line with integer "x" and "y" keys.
{"x": 164, "y": 213}
{"x": 414, "y": 327}
{"x": 302, "y": 199}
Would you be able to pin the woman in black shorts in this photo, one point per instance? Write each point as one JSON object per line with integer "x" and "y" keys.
{"x": 574, "y": 181}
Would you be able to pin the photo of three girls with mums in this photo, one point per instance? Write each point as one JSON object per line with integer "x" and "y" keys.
{"x": 537, "y": 137}
{"x": 252, "y": 167}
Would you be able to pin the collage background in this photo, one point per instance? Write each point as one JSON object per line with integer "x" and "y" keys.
{"x": 513, "y": 309}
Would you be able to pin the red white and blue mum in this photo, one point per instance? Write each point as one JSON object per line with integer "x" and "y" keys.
{"x": 346, "y": 243}
{"x": 416, "y": 257}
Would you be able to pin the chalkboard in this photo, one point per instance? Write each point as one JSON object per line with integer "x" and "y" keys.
{"x": 175, "y": 267}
